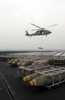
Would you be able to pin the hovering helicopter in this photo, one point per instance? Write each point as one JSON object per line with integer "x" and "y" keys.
{"x": 40, "y": 31}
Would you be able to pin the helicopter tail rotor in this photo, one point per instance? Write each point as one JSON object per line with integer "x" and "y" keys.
{"x": 27, "y": 32}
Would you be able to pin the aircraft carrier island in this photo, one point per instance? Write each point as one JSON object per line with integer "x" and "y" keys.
{"x": 32, "y": 76}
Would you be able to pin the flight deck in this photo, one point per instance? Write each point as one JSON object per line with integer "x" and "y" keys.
{"x": 12, "y": 86}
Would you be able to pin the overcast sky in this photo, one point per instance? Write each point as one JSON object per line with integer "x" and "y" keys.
{"x": 16, "y": 17}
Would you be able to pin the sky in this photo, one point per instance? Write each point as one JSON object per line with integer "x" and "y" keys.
{"x": 16, "y": 17}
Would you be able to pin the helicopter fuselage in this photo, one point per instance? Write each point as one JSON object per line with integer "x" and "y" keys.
{"x": 45, "y": 32}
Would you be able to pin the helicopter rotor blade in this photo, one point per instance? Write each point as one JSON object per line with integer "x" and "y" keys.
{"x": 35, "y": 29}
{"x": 38, "y": 29}
{"x": 35, "y": 25}
{"x": 51, "y": 26}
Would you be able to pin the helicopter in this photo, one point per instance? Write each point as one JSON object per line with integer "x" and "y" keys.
{"x": 40, "y": 31}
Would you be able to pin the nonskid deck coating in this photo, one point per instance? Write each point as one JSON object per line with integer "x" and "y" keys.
{"x": 3, "y": 92}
